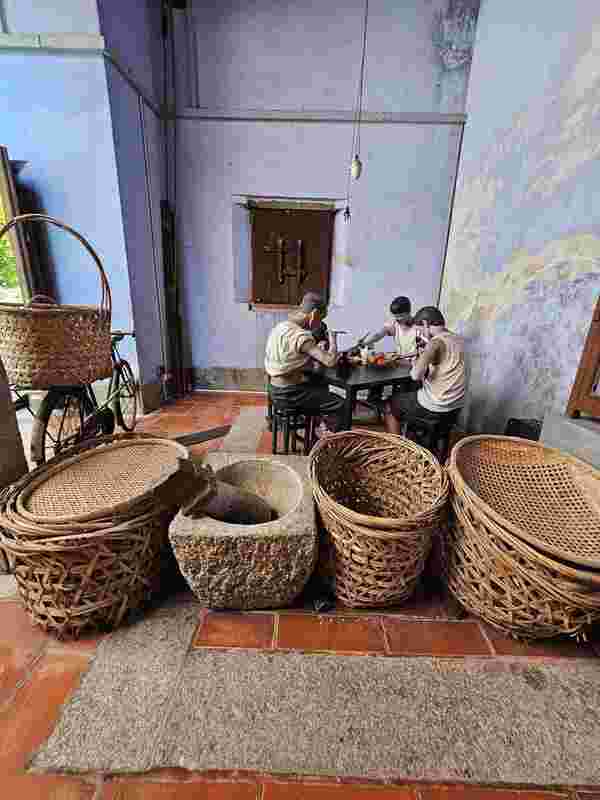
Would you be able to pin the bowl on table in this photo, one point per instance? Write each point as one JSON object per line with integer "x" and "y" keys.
{"x": 384, "y": 360}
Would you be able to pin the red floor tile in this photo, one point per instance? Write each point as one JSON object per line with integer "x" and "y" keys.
{"x": 337, "y": 634}
{"x": 264, "y": 443}
{"x": 205, "y": 447}
{"x": 31, "y": 716}
{"x": 314, "y": 791}
{"x": 221, "y": 629}
{"x": 86, "y": 645}
{"x": 476, "y": 793}
{"x": 43, "y": 787}
{"x": 504, "y": 645}
{"x": 435, "y": 638}
{"x": 20, "y": 644}
{"x": 138, "y": 790}
{"x": 426, "y": 603}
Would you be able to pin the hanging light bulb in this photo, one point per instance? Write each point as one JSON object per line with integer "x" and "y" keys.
{"x": 356, "y": 165}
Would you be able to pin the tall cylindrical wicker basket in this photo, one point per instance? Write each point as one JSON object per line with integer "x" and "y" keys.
{"x": 381, "y": 498}
{"x": 44, "y": 344}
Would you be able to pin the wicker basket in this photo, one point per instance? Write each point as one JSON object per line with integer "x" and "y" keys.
{"x": 380, "y": 498}
{"x": 512, "y": 586}
{"x": 505, "y": 568}
{"x": 88, "y": 572}
{"x": 44, "y": 344}
{"x": 541, "y": 495}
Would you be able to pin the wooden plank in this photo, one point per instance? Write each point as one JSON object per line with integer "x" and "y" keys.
{"x": 582, "y": 398}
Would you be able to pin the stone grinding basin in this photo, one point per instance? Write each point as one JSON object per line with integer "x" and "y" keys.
{"x": 241, "y": 566}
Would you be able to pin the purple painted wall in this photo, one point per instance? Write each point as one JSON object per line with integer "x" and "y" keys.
{"x": 56, "y": 117}
{"x": 132, "y": 33}
{"x": 299, "y": 57}
{"x": 523, "y": 268}
{"x": 50, "y": 16}
{"x": 142, "y": 239}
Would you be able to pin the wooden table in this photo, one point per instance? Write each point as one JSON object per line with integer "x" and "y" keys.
{"x": 360, "y": 377}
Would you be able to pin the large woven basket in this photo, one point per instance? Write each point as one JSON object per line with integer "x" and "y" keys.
{"x": 541, "y": 495}
{"x": 83, "y": 571}
{"x": 44, "y": 344}
{"x": 381, "y": 498}
{"x": 508, "y": 572}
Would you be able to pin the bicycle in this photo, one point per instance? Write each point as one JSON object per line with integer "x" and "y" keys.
{"x": 70, "y": 414}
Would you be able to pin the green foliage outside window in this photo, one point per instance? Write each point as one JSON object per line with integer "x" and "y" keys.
{"x": 8, "y": 262}
{"x": 8, "y": 266}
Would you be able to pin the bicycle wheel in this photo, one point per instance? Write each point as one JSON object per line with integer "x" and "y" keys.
{"x": 126, "y": 391}
{"x": 66, "y": 417}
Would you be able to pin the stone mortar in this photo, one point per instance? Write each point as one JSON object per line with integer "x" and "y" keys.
{"x": 251, "y": 566}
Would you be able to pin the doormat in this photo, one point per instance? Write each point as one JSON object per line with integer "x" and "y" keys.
{"x": 148, "y": 701}
{"x": 245, "y": 433}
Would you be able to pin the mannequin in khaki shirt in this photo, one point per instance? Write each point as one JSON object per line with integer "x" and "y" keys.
{"x": 289, "y": 350}
{"x": 440, "y": 368}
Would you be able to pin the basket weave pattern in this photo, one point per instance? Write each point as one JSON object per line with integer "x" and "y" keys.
{"x": 496, "y": 568}
{"x": 82, "y": 575}
{"x": 73, "y": 585}
{"x": 496, "y": 576}
{"x": 380, "y": 498}
{"x": 543, "y": 495}
{"x": 46, "y": 344}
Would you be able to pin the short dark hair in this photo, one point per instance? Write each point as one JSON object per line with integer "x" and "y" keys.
{"x": 313, "y": 301}
{"x": 429, "y": 314}
{"x": 400, "y": 305}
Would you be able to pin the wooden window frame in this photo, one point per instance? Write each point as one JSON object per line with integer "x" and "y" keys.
{"x": 290, "y": 206}
{"x": 9, "y": 200}
{"x": 582, "y": 399}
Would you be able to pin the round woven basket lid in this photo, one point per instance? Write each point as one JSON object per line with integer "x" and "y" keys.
{"x": 102, "y": 482}
{"x": 542, "y": 495}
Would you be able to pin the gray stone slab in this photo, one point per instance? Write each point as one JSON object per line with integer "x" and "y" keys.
{"x": 245, "y": 433}
{"x": 8, "y": 586}
{"x": 386, "y": 717}
{"x": 114, "y": 720}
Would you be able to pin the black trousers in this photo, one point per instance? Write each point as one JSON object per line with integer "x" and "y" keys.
{"x": 405, "y": 404}
{"x": 313, "y": 396}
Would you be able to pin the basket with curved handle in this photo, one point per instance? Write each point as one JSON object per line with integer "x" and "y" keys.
{"x": 106, "y": 297}
{"x": 44, "y": 343}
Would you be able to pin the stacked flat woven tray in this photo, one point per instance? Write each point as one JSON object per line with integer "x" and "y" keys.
{"x": 381, "y": 499}
{"x": 88, "y": 531}
{"x": 524, "y": 541}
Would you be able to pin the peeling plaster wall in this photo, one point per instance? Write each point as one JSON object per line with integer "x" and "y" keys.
{"x": 306, "y": 56}
{"x": 522, "y": 272}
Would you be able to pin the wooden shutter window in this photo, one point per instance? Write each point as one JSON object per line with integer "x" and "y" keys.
{"x": 291, "y": 254}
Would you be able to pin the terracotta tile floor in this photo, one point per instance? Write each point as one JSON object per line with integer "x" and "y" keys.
{"x": 37, "y": 673}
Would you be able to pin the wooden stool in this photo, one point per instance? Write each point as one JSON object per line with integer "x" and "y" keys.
{"x": 433, "y": 433}
{"x": 290, "y": 421}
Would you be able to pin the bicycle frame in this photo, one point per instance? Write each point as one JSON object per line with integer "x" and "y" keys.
{"x": 87, "y": 397}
